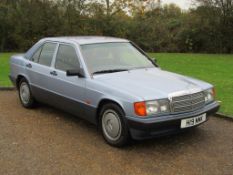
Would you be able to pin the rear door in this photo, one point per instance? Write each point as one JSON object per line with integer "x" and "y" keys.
{"x": 69, "y": 90}
{"x": 39, "y": 70}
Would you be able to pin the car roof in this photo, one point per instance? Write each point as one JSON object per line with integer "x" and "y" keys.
{"x": 81, "y": 40}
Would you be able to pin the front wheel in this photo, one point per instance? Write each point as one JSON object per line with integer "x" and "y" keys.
{"x": 113, "y": 126}
{"x": 25, "y": 94}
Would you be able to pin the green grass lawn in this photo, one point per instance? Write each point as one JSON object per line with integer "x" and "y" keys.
{"x": 4, "y": 69}
{"x": 213, "y": 68}
{"x": 216, "y": 69}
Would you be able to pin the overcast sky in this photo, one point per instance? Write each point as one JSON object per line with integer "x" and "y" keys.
{"x": 184, "y": 4}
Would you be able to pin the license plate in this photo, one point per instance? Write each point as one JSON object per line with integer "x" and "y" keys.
{"x": 189, "y": 122}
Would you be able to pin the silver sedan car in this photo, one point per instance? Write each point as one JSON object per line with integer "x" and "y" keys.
{"x": 113, "y": 84}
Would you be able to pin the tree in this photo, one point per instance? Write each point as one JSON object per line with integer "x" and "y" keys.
{"x": 224, "y": 11}
{"x": 206, "y": 28}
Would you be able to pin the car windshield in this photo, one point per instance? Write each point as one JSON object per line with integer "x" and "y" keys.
{"x": 113, "y": 57}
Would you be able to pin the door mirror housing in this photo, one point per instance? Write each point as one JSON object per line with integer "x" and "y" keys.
{"x": 75, "y": 72}
{"x": 154, "y": 61}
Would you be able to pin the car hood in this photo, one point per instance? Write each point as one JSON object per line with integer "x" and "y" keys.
{"x": 152, "y": 83}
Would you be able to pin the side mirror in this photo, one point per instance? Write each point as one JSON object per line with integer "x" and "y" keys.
{"x": 75, "y": 72}
{"x": 154, "y": 61}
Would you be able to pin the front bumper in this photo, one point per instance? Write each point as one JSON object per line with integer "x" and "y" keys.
{"x": 164, "y": 125}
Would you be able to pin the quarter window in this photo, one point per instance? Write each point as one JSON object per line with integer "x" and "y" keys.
{"x": 66, "y": 58}
{"x": 36, "y": 55}
{"x": 47, "y": 52}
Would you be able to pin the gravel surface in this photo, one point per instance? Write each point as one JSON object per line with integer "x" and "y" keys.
{"x": 47, "y": 141}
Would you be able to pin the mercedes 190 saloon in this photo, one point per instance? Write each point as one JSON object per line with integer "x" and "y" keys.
{"x": 113, "y": 84}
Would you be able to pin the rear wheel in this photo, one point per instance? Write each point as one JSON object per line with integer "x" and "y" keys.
{"x": 25, "y": 94}
{"x": 113, "y": 126}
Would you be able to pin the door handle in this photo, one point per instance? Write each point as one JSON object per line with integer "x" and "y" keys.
{"x": 54, "y": 73}
{"x": 29, "y": 65}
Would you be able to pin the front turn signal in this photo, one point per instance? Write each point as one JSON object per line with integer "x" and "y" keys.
{"x": 140, "y": 108}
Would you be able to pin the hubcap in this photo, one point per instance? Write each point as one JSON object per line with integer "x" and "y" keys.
{"x": 24, "y": 93}
{"x": 111, "y": 125}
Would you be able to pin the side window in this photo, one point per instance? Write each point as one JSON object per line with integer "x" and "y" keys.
{"x": 36, "y": 55}
{"x": 46, "y": 54}
{"x": 66, "y": 58}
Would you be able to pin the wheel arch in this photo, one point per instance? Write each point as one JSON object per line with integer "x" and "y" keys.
{"x": 20, "y": 77}
{"x": 104, "y": 102}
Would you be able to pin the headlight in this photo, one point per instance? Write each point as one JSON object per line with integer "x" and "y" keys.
{"x": 209, "y": 95}
{"x": 151, "y": 107}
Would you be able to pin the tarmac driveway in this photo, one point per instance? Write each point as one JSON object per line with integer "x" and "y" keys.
{"x": 47, "y": 141}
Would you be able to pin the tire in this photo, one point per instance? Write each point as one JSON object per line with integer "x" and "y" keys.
{"x": 25, "y": 94}
{"x": 113, "y": 125}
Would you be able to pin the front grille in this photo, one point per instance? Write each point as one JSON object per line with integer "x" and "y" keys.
{"x": 188, "y": 102}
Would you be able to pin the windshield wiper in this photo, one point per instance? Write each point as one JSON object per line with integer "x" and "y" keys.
{"x": 109, "y": 71}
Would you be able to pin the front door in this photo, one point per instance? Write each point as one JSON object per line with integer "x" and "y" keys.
{"x": 69, "y": 90}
